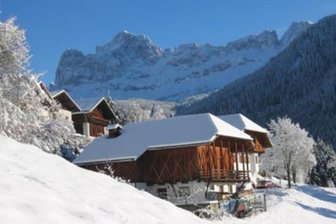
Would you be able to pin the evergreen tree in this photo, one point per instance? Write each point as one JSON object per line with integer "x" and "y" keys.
{"x": 324, "y": 173}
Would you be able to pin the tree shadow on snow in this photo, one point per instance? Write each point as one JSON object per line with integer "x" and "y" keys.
{"x": 318, "y": 193}
{"x": 321, "y": 211}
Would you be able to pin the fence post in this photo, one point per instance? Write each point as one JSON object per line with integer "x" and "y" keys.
{"x": 265, "y": 202}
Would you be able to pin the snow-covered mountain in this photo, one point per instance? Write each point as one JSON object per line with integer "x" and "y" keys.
{"x": 300, "y": 82}
{"x": 132, "y": 66}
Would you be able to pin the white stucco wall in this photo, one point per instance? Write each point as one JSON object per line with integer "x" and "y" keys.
{"x": 86, "y": 129}
{"x": 253, "y": 165}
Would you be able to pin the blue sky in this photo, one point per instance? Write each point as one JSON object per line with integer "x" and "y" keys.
{"x": 55, "y": 25}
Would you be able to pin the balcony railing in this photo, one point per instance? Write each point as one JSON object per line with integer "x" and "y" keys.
{"x": 224, "y": 175}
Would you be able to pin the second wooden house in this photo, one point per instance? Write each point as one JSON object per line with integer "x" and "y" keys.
{"x": 90, "y": 116}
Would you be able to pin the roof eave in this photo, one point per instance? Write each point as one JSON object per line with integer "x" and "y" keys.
{"x": 105, "y": 160}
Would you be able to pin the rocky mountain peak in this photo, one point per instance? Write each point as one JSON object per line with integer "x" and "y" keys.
{"x": 294, "y": 30}
{"x": 265, "y": 39}
{"x": 133, "y": 45}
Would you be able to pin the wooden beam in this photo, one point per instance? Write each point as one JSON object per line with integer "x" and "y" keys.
{"x": 247, "y": 165}
{"x": 236, "y": 148}
{"x": 243, "y": 159}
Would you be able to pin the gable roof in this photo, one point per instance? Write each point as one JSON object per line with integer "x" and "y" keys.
{"x": 83, "y": 105}
{"x": 242, "y": 123}
{"x": 89, "y": 104}
{"x": 55, "y": 94}
{"x": 178, "y": 131}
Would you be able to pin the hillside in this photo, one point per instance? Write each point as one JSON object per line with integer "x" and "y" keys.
{"x": 38, "y": 187}
{"x": 299, "y": 82}
{"x": 132, "y": 66}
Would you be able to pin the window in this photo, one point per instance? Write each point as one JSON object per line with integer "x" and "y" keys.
{"x": 184, "y": 191}
{"x": 162, "y": 193}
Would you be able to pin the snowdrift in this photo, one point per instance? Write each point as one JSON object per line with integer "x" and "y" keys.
{"x": 37, "y": 187}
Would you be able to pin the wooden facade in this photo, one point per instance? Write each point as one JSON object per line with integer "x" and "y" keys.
{"x": 212, "y": 162}
{"x": 260, "y": 140}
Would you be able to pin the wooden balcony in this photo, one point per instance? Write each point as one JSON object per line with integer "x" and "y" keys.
{"x": 216, "y": 175}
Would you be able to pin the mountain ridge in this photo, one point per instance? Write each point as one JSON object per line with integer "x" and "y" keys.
{"x": 133, "y": 66}
{"x": 300, "y": 82}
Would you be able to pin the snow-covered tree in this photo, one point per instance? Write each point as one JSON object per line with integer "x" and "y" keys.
{"x": 324, "y": 173}
{"x": 292, "y": 150}
{"x": 27, "y": 113}
{"x": 14, "y": 52}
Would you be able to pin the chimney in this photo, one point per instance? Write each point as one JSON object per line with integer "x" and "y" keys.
{"x": 114, "y": 130}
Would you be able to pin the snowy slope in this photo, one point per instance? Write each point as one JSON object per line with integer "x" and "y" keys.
{"x": 132, "y": 66}
{"x": 303, "y": 204}
{"x": 37, "y": 187}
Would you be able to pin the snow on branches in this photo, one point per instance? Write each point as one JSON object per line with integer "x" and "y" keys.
{"x": 324, "y": 173}
{"x": 14, "y": 52}
{"x": 26, "y": 112}
{"x": 292, "y": 152}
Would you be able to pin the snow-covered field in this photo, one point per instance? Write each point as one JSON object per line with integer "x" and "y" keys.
{"x": 37, "y": 187}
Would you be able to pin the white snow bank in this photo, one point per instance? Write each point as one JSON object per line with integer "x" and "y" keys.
{"x": 37, "y": 187}
{"x": 302, "y": 204}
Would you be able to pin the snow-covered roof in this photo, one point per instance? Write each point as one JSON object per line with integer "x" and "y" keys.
{"x": 242, "y": 123}
{"x": 89, "y": 103}
{"x": 84, "y": 105}
{"x": 138, "y": 137}
{"x": 113, "y": 126}
{"x": 57, "y": 92}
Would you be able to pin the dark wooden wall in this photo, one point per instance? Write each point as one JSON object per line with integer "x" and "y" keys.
{"x": 211, "y": 162}
{"x": 168, "y": 165}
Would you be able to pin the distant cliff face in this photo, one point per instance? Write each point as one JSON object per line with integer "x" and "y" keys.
{"x": 300, "y": 82}
{"x": 132, "y": 66}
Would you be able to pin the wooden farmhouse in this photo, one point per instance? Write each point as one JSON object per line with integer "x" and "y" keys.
{"x": 90, "y": 116}
{"x": 192, "y": 157}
